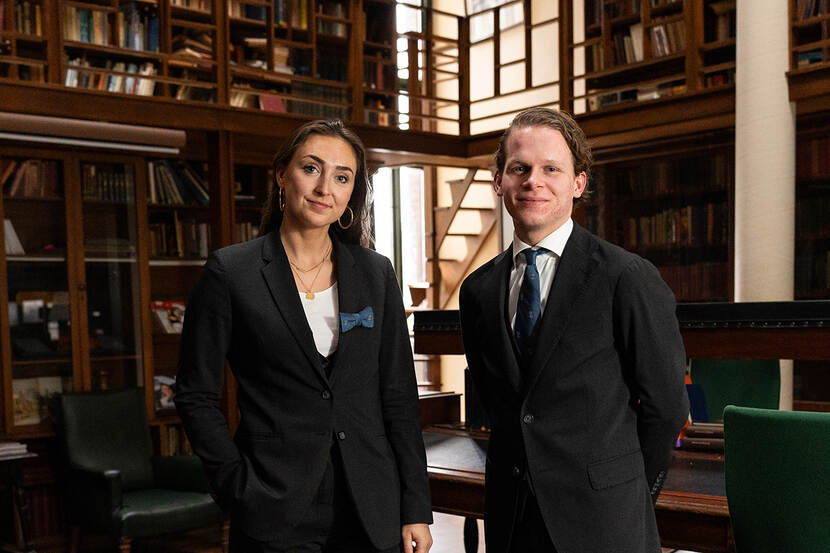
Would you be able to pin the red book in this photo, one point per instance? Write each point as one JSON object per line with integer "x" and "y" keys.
{"x": 270, "y": 102}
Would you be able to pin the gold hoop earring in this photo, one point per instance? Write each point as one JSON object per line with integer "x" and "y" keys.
{"x": 347, "y": 227}
{"x": 281, "y": 199}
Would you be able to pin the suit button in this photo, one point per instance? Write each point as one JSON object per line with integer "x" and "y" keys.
{"x": 341, "y": 435}
{"x": 326, "y": 394}
{"x": 517, "y": 472}
{"x": 527, "y": 419}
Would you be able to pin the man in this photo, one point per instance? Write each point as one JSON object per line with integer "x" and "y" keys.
{"x": 574, "y": 349}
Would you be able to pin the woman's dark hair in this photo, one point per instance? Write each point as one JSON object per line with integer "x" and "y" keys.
{"x": 358, "y": 232}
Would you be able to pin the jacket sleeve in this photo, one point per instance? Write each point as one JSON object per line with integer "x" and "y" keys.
{"x": 401, "y": 412}
{"x": 206, "y": 337}
{"x": 654, "y": 360}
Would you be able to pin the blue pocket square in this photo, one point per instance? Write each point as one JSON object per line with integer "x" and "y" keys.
{"x": 365, "y": 317}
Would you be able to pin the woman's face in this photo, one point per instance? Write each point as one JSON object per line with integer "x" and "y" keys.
{"x": 318, "y": 182}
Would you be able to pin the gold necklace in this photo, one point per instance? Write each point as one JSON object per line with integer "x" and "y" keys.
{"x": 308, "y": 293}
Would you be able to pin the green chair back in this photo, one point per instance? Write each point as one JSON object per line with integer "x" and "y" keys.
{"x": 108, "y": 430}
{"x": 778, "y": 480}
{"x": 743, "y": 382}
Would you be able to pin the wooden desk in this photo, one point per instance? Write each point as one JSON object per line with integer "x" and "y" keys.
{"x": 691, "y": 511}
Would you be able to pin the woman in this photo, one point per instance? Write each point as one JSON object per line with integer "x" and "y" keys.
{"x": 328, "y": 455}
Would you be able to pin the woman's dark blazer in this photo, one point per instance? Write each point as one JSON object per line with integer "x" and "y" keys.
{"x": 246, "y": 309}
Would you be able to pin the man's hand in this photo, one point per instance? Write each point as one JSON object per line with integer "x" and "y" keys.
{"x": 418, "y": 533}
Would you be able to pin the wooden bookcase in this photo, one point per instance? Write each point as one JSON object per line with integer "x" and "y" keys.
{"x": 674, "y": 209}
{"x": 626, "y": 51}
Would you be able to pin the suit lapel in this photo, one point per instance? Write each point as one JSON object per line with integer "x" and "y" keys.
{"x": 498, "y": 278}
{"x": 351, "y": 299}
{"x": 568, "y": 285}
{"x": 280, "y": 281}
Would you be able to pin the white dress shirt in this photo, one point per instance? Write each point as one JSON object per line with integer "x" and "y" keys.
{"x": 545, "y": 263}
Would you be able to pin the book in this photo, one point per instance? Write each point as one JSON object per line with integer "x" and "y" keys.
{"x": 164, "y": 391}
{"x": 168, "y": 316}
{"x": 13, "y": 244}
{"x": 704, "y": 430}
{"x": 271, "y": 102}
{"x": 701, "y": 444}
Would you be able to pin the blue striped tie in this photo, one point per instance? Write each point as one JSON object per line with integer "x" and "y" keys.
{"x": 529, "y": 307}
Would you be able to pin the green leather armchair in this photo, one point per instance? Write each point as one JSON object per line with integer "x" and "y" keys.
{"x": 778, "y": 479}
{"x": 114, "y": 484}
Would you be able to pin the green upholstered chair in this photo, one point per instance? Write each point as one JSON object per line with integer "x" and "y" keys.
{"x": 114, "y": 484}
{"x": 778, "y": 480}
{"x": 743, "y": 382}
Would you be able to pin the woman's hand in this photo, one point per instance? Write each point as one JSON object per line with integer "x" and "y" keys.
{"x": 419, "y": 534}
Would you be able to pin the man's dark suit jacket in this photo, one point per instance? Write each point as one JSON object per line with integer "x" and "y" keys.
{"x": 246, "y": 309}
{"x": 593, "y": 420}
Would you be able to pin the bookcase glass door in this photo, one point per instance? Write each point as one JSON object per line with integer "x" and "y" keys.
{"x": 37, "y": 286}
{"x": 112, "y": 275}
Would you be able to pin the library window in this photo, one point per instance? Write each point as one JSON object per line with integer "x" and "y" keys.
{"x": 398, "y": 215}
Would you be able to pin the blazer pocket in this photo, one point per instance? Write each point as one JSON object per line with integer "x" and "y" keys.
{"x": 617, "y": 470}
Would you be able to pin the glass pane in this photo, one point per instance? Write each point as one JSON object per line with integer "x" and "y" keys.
{"x": 112, "y": 276}
{"x": 38, "y": 289}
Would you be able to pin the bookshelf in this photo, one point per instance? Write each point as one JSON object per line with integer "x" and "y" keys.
{"x": 676, "y": 212}
{"x": 633, "y": 51}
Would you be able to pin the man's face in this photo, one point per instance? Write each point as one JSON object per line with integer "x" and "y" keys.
{"x": 538, "y": 184}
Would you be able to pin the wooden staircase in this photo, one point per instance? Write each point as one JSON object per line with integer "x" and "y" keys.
{"x": 462, "y": 227}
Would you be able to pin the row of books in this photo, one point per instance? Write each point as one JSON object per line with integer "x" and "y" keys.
{"x": 378, "y": 74}
{"x": 182, "y": 238}
{"x": 121, "y": 77}
{"x": 668, "y": 38}
{"x": 640, "y": 94}
{"x": 29, "y": 178}
{"x": 810, "y": 8}
{"x": 725, "y": 20}
{"x": 707, "y": 280}
{"x": 330, "y": 94}
{"x": 687, "y": 176}
{"x": 175, "y": 182}
{"x": 692, "y": 225}
{"x": 293, "y": 12}
{"x": 199, "y": 5}
{"x": 252, "y": 51}
{"x": 377, "y": 117}
{"x": 107, "y": 183}
{"x": 193, "y": 43}
{"x": 45, "y": 511}
{"x": 28, "y": 18}
{"x": 32, "y": 73}
{"x": 134, "y": 26}
{"x": 627, "y": 46}
{"x": 177, "y": 442}
{"x": 246, "y": 231}
{"x": 193, "y": 92}
{"x": 811, "y": 215}
{"x": 813, "y": 159}
{"x": 334, "y": 8}
{"x": 622, "y": 8}
{"x": 812, "y": 270}
{"x": 720, "y": 78}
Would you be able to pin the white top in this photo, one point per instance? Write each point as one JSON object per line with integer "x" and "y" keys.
{"x": 545, "y": 264}
{"x": 323, "y": 318}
